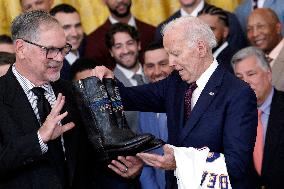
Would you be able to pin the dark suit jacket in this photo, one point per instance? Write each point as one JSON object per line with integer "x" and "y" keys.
{"x": 224, "y": 118}
{"x": 97, "y": 49}
{"x": 273, "y": 164}
{"x": 236, "y": 38}
{"x": 224, "y": 58}
{"x": 22, "y": 164}
{"x": 65, "y": 71}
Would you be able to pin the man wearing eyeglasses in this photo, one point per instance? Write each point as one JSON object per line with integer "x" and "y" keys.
{"x": 41, "y": 142}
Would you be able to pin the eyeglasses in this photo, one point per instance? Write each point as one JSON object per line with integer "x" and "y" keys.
{"x": 52, "y": 52}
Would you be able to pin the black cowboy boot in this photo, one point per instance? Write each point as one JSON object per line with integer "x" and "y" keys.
{"x": 117, "y": 107}
{"x": 106, "y": 137}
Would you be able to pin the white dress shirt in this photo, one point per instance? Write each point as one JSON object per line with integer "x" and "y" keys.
{"x": 129, "y": 74}
{"x": 202, "y": 81}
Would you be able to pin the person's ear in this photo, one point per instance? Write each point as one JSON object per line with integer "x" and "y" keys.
{"x": 20, "y": 48}
{"x": 202, "y": 48}
{"x": 226, "y": 32}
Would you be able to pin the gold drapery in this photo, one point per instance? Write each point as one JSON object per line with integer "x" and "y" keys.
{"x": 93, "y": 12}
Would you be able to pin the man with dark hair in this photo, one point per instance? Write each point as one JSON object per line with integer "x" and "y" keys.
{"x": 6, "y": 60}
{"x": 6, "y": 44}
{"x": 40, "y": 146}
{"x": 236, "y": 39}
{"x": 28, "y": 5}
{"x": 218, "y": 21}
{"x": 70, "y": 20}
{"x": 123, "y": 43}
{"x": 82, "y": 68}
{"x": 119, "y": 12}
{"x": 156, "y": 67}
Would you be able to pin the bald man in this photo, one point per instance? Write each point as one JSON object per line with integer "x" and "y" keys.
{"x": 264, "y": 32}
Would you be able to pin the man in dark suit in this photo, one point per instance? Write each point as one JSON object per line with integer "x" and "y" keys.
{"x": 236, "y": 39}
{"x": 70, "y": 20}
{"x": 218, "y": 21}
{"x": 251, "y": 66}
{"x": 119, "y": 12}
{"x": 39, "y": 152}
{"x": 221, "y": 113}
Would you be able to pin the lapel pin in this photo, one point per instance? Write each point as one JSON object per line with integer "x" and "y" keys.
{"x": 211, "y": 94}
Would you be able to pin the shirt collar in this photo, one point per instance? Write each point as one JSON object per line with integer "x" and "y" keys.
{"x": 128, "y": 73}
{"x": 203, "y": 79}
{"x": 265, "y": 107}
{"x": 71, "y": 57}
{"x": 131, "y": 21}
{"x": 274, "y": 53}
{"x": 26, "y": 84}
{"x": 195, "y": 11}
{"x": 260, "y": 3}
{"x": 220, "y": 49}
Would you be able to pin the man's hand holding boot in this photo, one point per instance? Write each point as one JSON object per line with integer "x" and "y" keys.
{"x": 127, "y": 167}
{"x": 102, "y": 72}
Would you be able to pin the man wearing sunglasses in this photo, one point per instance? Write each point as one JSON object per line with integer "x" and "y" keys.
{"x": 41, "y": 142}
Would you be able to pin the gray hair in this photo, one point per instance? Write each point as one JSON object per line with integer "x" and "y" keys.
{"x": 194, "y": 30}
{"x": 27, "y": 25}
{"x": 248, "y": 52}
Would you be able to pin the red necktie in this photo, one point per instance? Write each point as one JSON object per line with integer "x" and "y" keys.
{"x": 258, "y": 148}
{"x": 187, "y": 100}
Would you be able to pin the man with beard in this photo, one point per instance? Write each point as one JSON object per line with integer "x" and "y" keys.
{"x": 119, "y": 12}
{"x": 236, "y": 39}
{"x": 123, "y": 43}
{"x": 218, "y": 21}
{"x": 70, "y": 20}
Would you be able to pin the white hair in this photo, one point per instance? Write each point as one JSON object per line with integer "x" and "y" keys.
{"x": 194, "y": 30}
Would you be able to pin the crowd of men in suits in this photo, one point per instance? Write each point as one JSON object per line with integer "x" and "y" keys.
{"x": 156, "y": 69}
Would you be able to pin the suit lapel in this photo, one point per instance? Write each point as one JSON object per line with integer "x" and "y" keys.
{"x": 17, "y": 101}
{"x": 71, "y": 138}
{"x": 204, "y": 101}
{"x": 121, "y": 77}
{"x": 277, "y": 68}
{"x": 274, "y": 129}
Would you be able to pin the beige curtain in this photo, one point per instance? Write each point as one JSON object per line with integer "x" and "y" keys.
{"x": 93, "y": 12}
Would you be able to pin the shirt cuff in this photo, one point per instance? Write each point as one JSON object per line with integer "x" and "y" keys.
{"x": 43, "y": 146}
